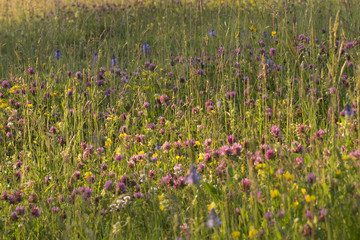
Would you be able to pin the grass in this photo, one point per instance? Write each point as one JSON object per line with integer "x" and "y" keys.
{"x": 239, "y": 122}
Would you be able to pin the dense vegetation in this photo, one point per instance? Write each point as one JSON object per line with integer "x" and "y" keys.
{"x": 179, "y": 120}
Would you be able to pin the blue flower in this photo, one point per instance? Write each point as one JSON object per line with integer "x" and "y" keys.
{"x": 348, "y": 110}
{"x": 145, "y": 48}
{"x": 113, "y": 61}
{"x": 213, "y": 219}
{"x": 212, "y": 32}
{"x": 57, "y": 54}
{"x": 96, "y": 57}
{"x": 193, "y": 177}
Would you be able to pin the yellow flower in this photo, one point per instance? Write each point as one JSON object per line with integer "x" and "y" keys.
{"x": 87, "y": 174}
{"x": 197, "y": 143}
{"x": 108, "y": 142}
{"x": 309, "y": 198}
{"x": 161, "y": 207}
{"x": 273, "y": 33}
{"x": 252, "y": 233}
{"x": 296, "y": 203}
{"x": 274, "y": 193}
{"x": 252, "y": 29}
{"x": 30, "y": 105}
{"x": 236, "y": 234}
{"x": 211, "y": 206}
{"x": 303, "y": 190}
{"x": 1, "y": 126}
{"x": 288, "y": 176}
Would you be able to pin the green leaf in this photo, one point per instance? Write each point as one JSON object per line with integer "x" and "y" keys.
{"x": 213, "y": 191}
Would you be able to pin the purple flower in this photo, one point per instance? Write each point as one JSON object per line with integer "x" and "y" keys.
{"x": 20, "y": 210}
{"x": 108, "y": 185}
{"x": 53, "y": 130}
{"x": 35, "y": 211}
{"x": 146, "y": 105}
{"x": 55, "y": 210}
{"x": 166, "y": 146}
{"x": 231, "y": 139}
{"x": 13, "y": 217}
{"x": 151, "y": 66}
{"x": 5, "y": 84}
{"x": 323, "y": 214}
{"x": 57, "y": 54}
{"x": 268, "y": 215}
{"x": 113, "y": 61}
{"x": 87, "y": 193}
{"x": 236, "y": 149}
{"x": 272, "y": 51}
{"x": 193, "y": 177}
{"x": 309, "y": 214}
{"x": 225, "y": 150}
{"x": 280, "y": 214}
{"x": 120, "y": 188}
{"x": 145, "y": 48}
{"x": 212, "y": 33}
{"x": 31, "y": 71}
{"x": 275, "y": 131}
{"x": 270, "y": 154}
{"x": 78, "y": 75}
{"x": 213, "y": 219}
{"x": 311, "y": 178}
{"x": 245, "y": 183}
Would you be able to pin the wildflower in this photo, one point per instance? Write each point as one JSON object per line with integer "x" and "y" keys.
{"x": 13, "y": 217}
{"x": 280, "y": 214}
{"x": 20, "y": 210}
{"x": 270, "y": 154}
{"x": 268, "y": 215}
{"x": 273, "y": 33}
{"x": 151, "y": 66}
{"x": 306, "y": 230}
{"x": 252, "y": 233}
{"x": 145, "y": 48}
{"x": 323, "y": 214}
{"x": 166, "y": 146}
{"x": 245, "y": 183}
{"x": 108, "y": 185}
{"x": 231, "y": 139}
{"x": 311, "y": 178}
{"x": 235, "y": 234}
{"x": 212, "y": 32}
{"x": 274, "y": 193}
{"x": 96, "y": 57}
{"x": 193, "y": 177}
{"x": 348, "y": 111}
{"x": 213, "y": 219}
{"x": 275, "y": 131}
{"x": 31, "y": 71}
{"x": 225, "y": 150}
{"x": 35, "y": 211}
{"x": 78, "y": 75}
{"x": 309, "y": 214}
{"x": 310, "y": 198}
{"x": 113, "y": 61}
{"x": 55, "y": 210}
{"x": 57, "y": 54}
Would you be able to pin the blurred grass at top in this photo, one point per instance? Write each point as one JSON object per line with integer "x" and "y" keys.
{"x": 31, "y": 31}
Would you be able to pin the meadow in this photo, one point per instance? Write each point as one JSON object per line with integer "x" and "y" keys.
{"x": 179, "y": 119}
